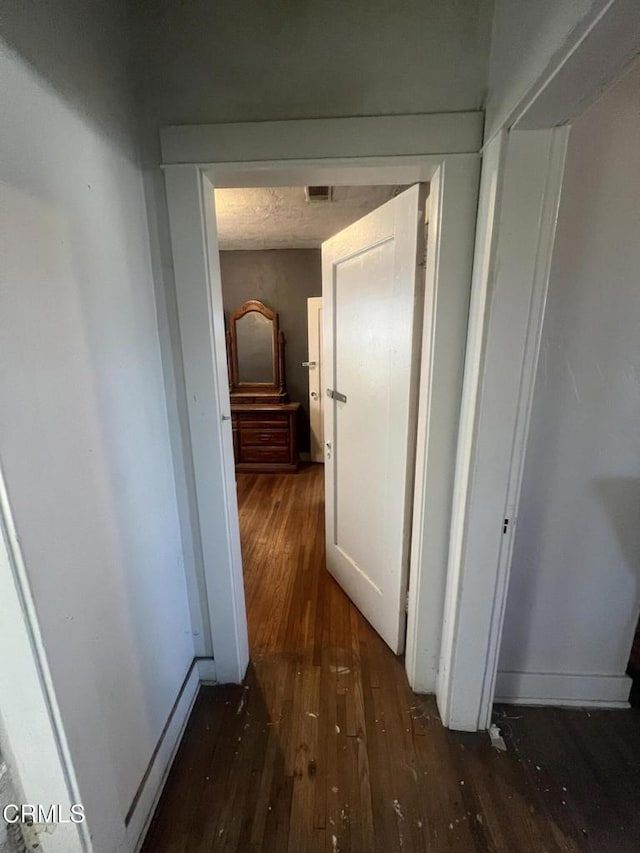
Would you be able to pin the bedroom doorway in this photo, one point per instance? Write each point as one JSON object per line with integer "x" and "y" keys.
{"x": 453, "y": 198}
{"x": 360, "y": 250}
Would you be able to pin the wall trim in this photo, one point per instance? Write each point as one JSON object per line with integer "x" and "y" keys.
{"x": 201, "y": 671}
{"x": 170, "y": 735}
{"x": 517, "y": 230}
{"x": 33, "y": 736}
{"x": 447, "y": 283}
{"x": 594, "y": 54}
{"x": 207, "y": 670}
{"x": 203, "y": 355}
{"x": 599, "y": 56}
{"x": 568, "y": 689}
{"x": 306, "y": 139}
{"x": 146, "y": 798}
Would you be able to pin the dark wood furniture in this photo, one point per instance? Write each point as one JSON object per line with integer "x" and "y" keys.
{"x": 264, "y": 436}
{"x": 263, "y": 419}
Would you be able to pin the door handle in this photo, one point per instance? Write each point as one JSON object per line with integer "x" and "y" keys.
{"x": 309, "y": 364}
{"x": 314, "y": 395}
{"x": 226, "y": 417}
{"x": 336, "y": 395}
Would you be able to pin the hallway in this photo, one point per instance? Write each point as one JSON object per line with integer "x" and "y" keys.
{"x": 325, "y": 748}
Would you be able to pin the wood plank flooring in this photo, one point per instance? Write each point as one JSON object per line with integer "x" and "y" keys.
{"x": 325, "y": 748}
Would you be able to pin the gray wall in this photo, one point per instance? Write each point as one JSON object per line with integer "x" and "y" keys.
{"x": 575, "y": 583}
{"x": 283, "y": 279}
{"x": 252, "y": 60}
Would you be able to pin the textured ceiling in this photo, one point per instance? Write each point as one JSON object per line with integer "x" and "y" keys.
{"x": 281, "y": 217}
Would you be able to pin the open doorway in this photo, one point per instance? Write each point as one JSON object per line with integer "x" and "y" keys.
{"x": 281, "y": 249}
{"x": 218, "y": 589}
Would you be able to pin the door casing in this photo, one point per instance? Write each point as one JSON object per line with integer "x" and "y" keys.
{"x": 452, "y": 208}
{"x": 316, "y": 397}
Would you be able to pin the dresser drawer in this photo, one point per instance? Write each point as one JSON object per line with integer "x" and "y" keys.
{"x": 264, "y": 454}
{"x": 262, "y": 436}
{"x": 258, "y": 420}
{"x": 262, "y": 425}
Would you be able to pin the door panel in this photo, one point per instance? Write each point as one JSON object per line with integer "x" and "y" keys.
{"x": 371, "y": 299}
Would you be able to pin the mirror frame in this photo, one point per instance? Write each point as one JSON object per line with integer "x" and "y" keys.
{"x": 269, "y": 389}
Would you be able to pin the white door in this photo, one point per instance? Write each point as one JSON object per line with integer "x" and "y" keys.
{"x": 372, "y": 287}
{"x": 316, "y": 391}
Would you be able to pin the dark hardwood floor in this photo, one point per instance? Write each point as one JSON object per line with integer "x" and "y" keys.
{"x": 325, "y": 748}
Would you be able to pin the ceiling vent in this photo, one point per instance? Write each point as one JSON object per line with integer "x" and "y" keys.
{"x": 315, "y": 194}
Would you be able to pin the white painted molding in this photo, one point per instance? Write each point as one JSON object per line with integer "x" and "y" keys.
{"x": 483, "y": 267}
{"x": 343, "y": 171}
{"x": 201, "y": 318}
{"x": 568, "y": 689}
{"x": 593, "y": 63}
{"x": 157, "y": 773}
{"x": 207, "y": 670}
{"x": 34, "y": 743}
{"x": 496, "y": 406}
{"x": 452, "y": 213}
{"x": 421, "y": 656}
{"x": 371, "y": 136}
{"x": 546, "y": 235}
{"x": 202, "y": 671}
{"x": 233, "y": 659}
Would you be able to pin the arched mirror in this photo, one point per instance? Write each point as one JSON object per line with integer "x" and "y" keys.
{"x": 255, "y": 348}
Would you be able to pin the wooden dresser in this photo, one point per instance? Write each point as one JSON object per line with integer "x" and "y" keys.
{"x": 263, "y": 420}
{"x": 264, "y": 436}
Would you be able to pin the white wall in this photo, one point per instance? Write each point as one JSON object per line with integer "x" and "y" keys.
{"x": 83, "y": 431}
{"x": 575, "y": 577}
{"x": 529, "y": 38}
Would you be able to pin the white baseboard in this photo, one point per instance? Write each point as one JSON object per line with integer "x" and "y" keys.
{"x": 545, "y": 688}
{"x": 151, "y": 788}
{"x": 207, "y": 670}
{"x": 202, "y": 671}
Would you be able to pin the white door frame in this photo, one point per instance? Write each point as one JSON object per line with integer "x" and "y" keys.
{"x": 32, "y": 735}
{"x": 316, "y": 375}
{"x": 388, "y": 150}
{"x": 521, "y": 183}
{"x": 519, "y": 197}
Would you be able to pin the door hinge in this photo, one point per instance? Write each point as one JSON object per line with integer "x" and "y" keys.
{"x": 406, "y": 603}
{"x": 505, "y": 524}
